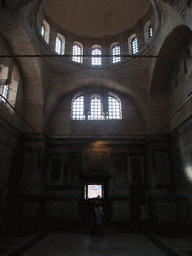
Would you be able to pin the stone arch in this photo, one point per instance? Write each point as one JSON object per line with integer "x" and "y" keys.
{"x": 99, "y": 83}
{"x": 172, "y": 46}
{"x": 31, "y": 73}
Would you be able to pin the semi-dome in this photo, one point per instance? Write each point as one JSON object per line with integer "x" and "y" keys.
{"x": 96, "y": 18}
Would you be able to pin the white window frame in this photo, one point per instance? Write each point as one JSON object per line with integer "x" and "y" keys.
{"x": 5, "y": 91}
{"x": 96, "y": 50}
{"x": 77, "y": 50}
{"x": 116, "y": 107}
{"x": 80, "y": 113}
{"x": 58, "y": 44}
{"x": 134, "y": 45}
{"x": 94, "y": 115}
{"x": 116, "y": 50}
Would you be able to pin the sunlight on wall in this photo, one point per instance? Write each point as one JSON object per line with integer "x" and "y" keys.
{"x": 188, "y": 171}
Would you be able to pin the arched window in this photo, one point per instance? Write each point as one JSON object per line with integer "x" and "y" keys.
{"x": 5, "y": 93}
{"x": 45, "y": 31}
{"x": 116, "y": 51}
{"x": 95, "y": 109}
{"x": 114, "y": 108}
{"x": 58, "y": 45}
{"x": 78, "y": 108}
{"x": 150, "y": 32}
{"x": 96, "y": 51}
{"x": 130, "y": 40}
{"x": 4, "y": 87}
{"x": 77, "y": 50}
{"x": 134, "y": 46}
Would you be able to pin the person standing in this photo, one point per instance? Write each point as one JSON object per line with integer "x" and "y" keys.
{"x": 97, "y": 218}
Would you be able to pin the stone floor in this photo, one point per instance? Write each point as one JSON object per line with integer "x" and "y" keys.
{"x": 181, "y": 244}
{"x": 70, "y": 244}
{"x": 114, "y": 242}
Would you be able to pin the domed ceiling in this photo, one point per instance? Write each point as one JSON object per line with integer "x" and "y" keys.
{"x": 96, "y": 18}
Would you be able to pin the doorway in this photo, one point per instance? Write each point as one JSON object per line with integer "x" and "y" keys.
{"x": 93, "y": 186}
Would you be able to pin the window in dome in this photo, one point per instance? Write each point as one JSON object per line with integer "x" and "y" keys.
{"x": 78, "y": 109}
{"x": 58, "y": 45}
{"x": 150, "y": 31}
{"x": 134, "y": 45}
{"x": 96, "y": 60}
{"x": 116, "y": 51}
{"x": 96, "y": 108}
{"x": 77, "y": 50}
{"x": 5, "y": 93}
{"x": 46, "y": 31}
{"x": 42, "y": 31}
{"x": 114, "y": 108}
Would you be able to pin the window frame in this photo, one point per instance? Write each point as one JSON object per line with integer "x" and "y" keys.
{"x": 61, "y": 38}
{"x": 5, "y": 91}
{"x": 79, "y": 112}
{"x": 47, "y": 31}
{"x": 150, "y": 31}
{"x": 43, "y": 31}
{"x": 119, "y": 106}
{"x": 80, "y": 58}
{"x": 96, "y": 61}
{"x": 58, "y": 45}
{"x": 134, "y": 46}
{"x": 147, "y": 31}
{"x": 90, "y": 103}
{"x": 115, "y": 58}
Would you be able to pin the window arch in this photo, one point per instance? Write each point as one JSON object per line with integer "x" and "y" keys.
{"x": 9, "y": 78}
{"x": 4, "y": 85}
{"x": 115, "y": 50}
{"x": 114, "y": 108}
{"x": 96, "y": 50}
{"x": 59, "y": 44}
{"x": 43, "y": 31}
{"x": 148, "y": 31}
{"x": 134, "y": 46}
{"x": 78, "y": 108}
{"x": 46, "y": 32}
{"x": 77, "y": 50}
{"x": 95, "y": 109}
{"x": 130, "y": 43}
{"x": 5, "y": 93}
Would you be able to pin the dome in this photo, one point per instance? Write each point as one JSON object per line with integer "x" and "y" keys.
{"x": 96, "y": 18}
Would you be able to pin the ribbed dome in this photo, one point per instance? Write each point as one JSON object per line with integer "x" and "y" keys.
{"x": 96, "y": 18}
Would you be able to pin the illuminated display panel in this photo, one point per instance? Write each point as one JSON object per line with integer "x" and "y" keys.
{"x": 93, "y": 191}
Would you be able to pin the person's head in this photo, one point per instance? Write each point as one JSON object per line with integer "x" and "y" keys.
{"x": 97, "y": 200}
